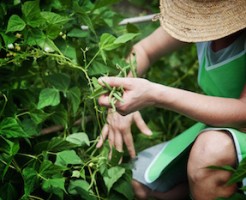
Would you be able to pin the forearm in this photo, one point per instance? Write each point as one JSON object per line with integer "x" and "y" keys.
{"x": 215, "y": 111}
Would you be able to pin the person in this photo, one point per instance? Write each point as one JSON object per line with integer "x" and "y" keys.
{"x": 177, "y": 169}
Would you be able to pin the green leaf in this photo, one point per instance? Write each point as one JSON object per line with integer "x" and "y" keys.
{"x": 84, "y": 17}
{"x": 29, "y": 127}
{"x": 31, "y": 11}
{"x": 107, "y": 42}
{"x": 10, "y": 127}
{"x": 30, "y": 180}
{"x": 15, "y": 23}
{"x": 57, "y": 144}
{"x": 99, "y": 68}
{"x": 77, "y": 33}
{"x": 67, "y": 157}
{"x": 47, "y": 169}
{"x": 81, "y": 188}
{"x": 116, "y": 157}
{"x": 6, "y": 160}
{"x": 112, "y": 176}
{"x": 39, "y": 116}
{"x": 74, "y": 96}
{"x": 132, "y": 28}
{"x": 55, "y": 185}
{"x": 239, "y": 174}
{"x": 60, "y": 81}
{"x": 125, "y": 38}
{"x": 10, "y": 147}
{"x": 79, "y": 139}
{"x": 54, "y": 18}
{"x": 47, "y": 45}
{"x": 225, "y": 168}
{"x": 124, "y": 185}
{"x": 48, "y": 97}
{"x": 60, "y": 116}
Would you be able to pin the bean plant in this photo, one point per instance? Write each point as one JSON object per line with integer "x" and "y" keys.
{"x": 51, "y": 54}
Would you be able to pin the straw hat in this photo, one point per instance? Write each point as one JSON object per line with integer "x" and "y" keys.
{"x": 202, "y": 20}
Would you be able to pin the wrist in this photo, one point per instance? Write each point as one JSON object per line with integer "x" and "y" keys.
{"x": 160, "y": 95}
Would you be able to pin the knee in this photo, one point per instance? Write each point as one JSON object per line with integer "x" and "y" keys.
{"x": 210, "y": 148}
{"x": 141, "y": 192}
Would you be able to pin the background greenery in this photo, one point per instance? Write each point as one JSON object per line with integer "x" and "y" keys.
{"x": 49, "y": 117}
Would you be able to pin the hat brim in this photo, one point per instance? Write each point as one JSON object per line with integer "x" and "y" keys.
{"x": 199, "y": 20}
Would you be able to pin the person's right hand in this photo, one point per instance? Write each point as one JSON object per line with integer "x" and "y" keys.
{"x": 118, "y": 130}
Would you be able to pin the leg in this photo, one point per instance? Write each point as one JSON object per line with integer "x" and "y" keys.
{"x": 179, "y": 192}
{"x": 211, "y": 148}
{"x": 171, "y": 186}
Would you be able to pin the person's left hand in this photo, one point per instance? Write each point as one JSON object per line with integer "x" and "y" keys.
{"x": 137, "y": 94}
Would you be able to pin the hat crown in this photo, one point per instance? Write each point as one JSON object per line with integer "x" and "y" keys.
{"x": 202, "y": 20}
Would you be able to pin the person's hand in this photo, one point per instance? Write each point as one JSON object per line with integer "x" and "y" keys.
{"x": 137, "y": 94}
{"x": 118, "y": 131}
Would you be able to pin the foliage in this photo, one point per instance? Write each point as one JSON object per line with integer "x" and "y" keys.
{"x": 238, "y": 175}
{"x": 51, "y": 53}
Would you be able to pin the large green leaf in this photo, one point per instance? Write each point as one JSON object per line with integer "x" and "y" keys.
{"x": 122, "y": 185}
{"x": 31, "y": 11}
{"x": 55, "y": 185}
{"x": 67, "y": 157}
{"x": 30, "y": 180}
{"x": 48, "y": 97}
{"x": 39, "y": 116}
{"x": 112, "y": 176}
{"x": 47, "y": 170}
{"x": 74, "y": 96}
{"x": 81, "y": 188}
{"x": 60, "y": 81}
{"x": 84, "y": 17}
{"x": 57, "y": 144}
{"x": 47, "y": 44}
{"x": 125, "y": 38}
{"x": 15, "y": 23}
{"x": 79, "y": 139}
{"x": 107, "y": 42}
{"x": 10, "y": 147}
{"x": 54, "y": 18}
{"x": 10, "y": 127}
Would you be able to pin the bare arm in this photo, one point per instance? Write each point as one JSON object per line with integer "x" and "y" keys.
{"x": 215, "y": 111}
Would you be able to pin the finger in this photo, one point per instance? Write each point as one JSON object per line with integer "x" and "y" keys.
{"x": 111, "y": 138}
{"x": 113, "y": 81}
{"x": 103, "y": 136}
{"x": 128, "y": 140}
{"x": 118, "y": 141}
{"x": 104, "y": 100}
{"x": 141, "y": 124}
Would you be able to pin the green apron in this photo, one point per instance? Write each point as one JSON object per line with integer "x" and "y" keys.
{"x": 225, "y": 79}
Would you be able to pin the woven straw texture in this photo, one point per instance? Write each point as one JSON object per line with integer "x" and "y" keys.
{"x": 202, "y": 20}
